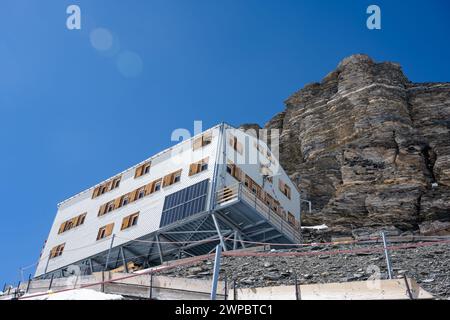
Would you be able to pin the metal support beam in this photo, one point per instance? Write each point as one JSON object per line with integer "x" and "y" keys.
{"x": 254, "y": 225}
{"x": 242, "y": 242}
{"x": 216, "y": 273}
{"x": 159, "y": 249}
{"x": 91, "y": 266}
{"x": 274, "y": 237}
{"x": 235, "y": 240}
{"x": 124, "y": 261}
{"x": 216, "y": 224}
{"x": 109, "y": 251}
{"x": 261, "y": 232}
{"x": 150, "y": 249}
{"x": 386, "y": 254}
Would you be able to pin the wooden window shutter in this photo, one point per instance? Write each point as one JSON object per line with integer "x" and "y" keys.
{"x": 102, "y": 209}
{"x": 125, "y": 222}
{"x": 197, "y": 143}
{"x": 139, "y": 171}
{"x": 238, "y": 173}
{"x": 61, "y": 228}
{"x": 150, "y": 188}
{"x": 117, "y": 202}
{"x": 231, "y": 140}
{"x": 108, "y": 186}
{"x": 167, "y": 180}
{"x": 95, "y": 193}
{"x": 108, "y": 230}
{"x": 194, "y": 168}
{"x": 280, "y": 184}
{"x": 132, "y": 195}
{"x": 239, "y": 147}
{"x": 52, "y": 252}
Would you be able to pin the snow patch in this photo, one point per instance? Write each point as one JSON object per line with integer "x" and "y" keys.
{"x": 78, "y": 294}
{"x": 321, "y": 227}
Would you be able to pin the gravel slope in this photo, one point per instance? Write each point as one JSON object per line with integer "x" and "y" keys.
{"x": 428, "y": 265}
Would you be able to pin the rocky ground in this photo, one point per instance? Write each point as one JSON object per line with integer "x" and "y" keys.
{"x": 429, "y": 266}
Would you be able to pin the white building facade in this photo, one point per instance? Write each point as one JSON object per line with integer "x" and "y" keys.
{"x": 222, "y": 186}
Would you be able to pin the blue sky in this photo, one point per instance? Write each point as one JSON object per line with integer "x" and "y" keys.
{"x": 72, "y": 115}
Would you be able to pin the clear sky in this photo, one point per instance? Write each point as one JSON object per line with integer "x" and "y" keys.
{"x": 78, "y": 106}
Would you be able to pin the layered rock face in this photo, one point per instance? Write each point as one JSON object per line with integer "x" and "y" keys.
{"x": 370, "y": 147}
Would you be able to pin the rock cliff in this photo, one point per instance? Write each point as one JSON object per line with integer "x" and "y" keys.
{"x": 370, "y": 148}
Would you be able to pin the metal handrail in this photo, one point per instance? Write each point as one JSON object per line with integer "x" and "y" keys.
{"x": 237, "y": 191}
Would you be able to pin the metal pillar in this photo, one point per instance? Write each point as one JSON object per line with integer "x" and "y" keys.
{"x": 386, "y": 254}
{"x": 51, "y": 282}
{"x": 216, "y": 224}
{"x": 150, "y": 295}
{"x": 124, "y": 261}
{"x": 46, "y": 265}
{"x": 235, "y": 241}
{"x": 109, "y": 251}
{"x": 216, "y": 272}
{"x": 158, "y": 243}
{"x": 91, "y": 267}
{"x": 28, "y": 284}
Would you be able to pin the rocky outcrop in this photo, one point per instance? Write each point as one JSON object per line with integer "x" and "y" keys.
{"x": 371, "y": 148}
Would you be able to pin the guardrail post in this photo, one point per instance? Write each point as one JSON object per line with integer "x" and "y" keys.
{"x": 408, "y": 289}
{"x": 28, "y": 284}
{"x": 216, "y": 272}
{"x": 16, "y": 294}
{"x": 51, "y": 281}
{"x": 102, "y": 288}
{"x": 150, "y": 296}
{"x": 226, "y": 287}
{"x": 109, "y": 251}
{"x": 386, "y": 254}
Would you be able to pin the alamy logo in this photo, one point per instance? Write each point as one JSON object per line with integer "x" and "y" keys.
{"x": 374, "y": 20}
{"x": 73, "y": 22}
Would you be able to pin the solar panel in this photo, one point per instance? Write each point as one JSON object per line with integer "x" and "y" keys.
{"x": 184, "y": 203}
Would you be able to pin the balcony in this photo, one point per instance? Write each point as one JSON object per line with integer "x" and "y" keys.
{"x": 254, "y": 217}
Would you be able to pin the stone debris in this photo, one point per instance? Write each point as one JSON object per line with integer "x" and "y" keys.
{"x": 275, "y": 270}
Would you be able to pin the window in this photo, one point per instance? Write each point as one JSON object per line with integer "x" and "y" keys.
{"x": 105, "y": 231}
{"x": 291, "y": 218}
{"x": 81, "y": 219}
{"x": 172, "y": 178}
{"x": 107, "y": 186}
{"x": 125, "y": 201}
{"x": 198, "y": 167}
{"x": 234, "y": 170}
{"x": 142, "y": 169}
{"x": 153, "y": 186}
{"x": 110, "y": 206}
{"x": 57, "y": 251}
{"x": 72, "y": 223}
{"x": 235, "y": 144}
{"x": 130, "y": 221}
{"x": 115, "y": 183}
{"x": 284, "y": 188}
{"x": 202, "y": 141}
{"x": 141, "y": 193}
{"x": 253, "y": 186}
